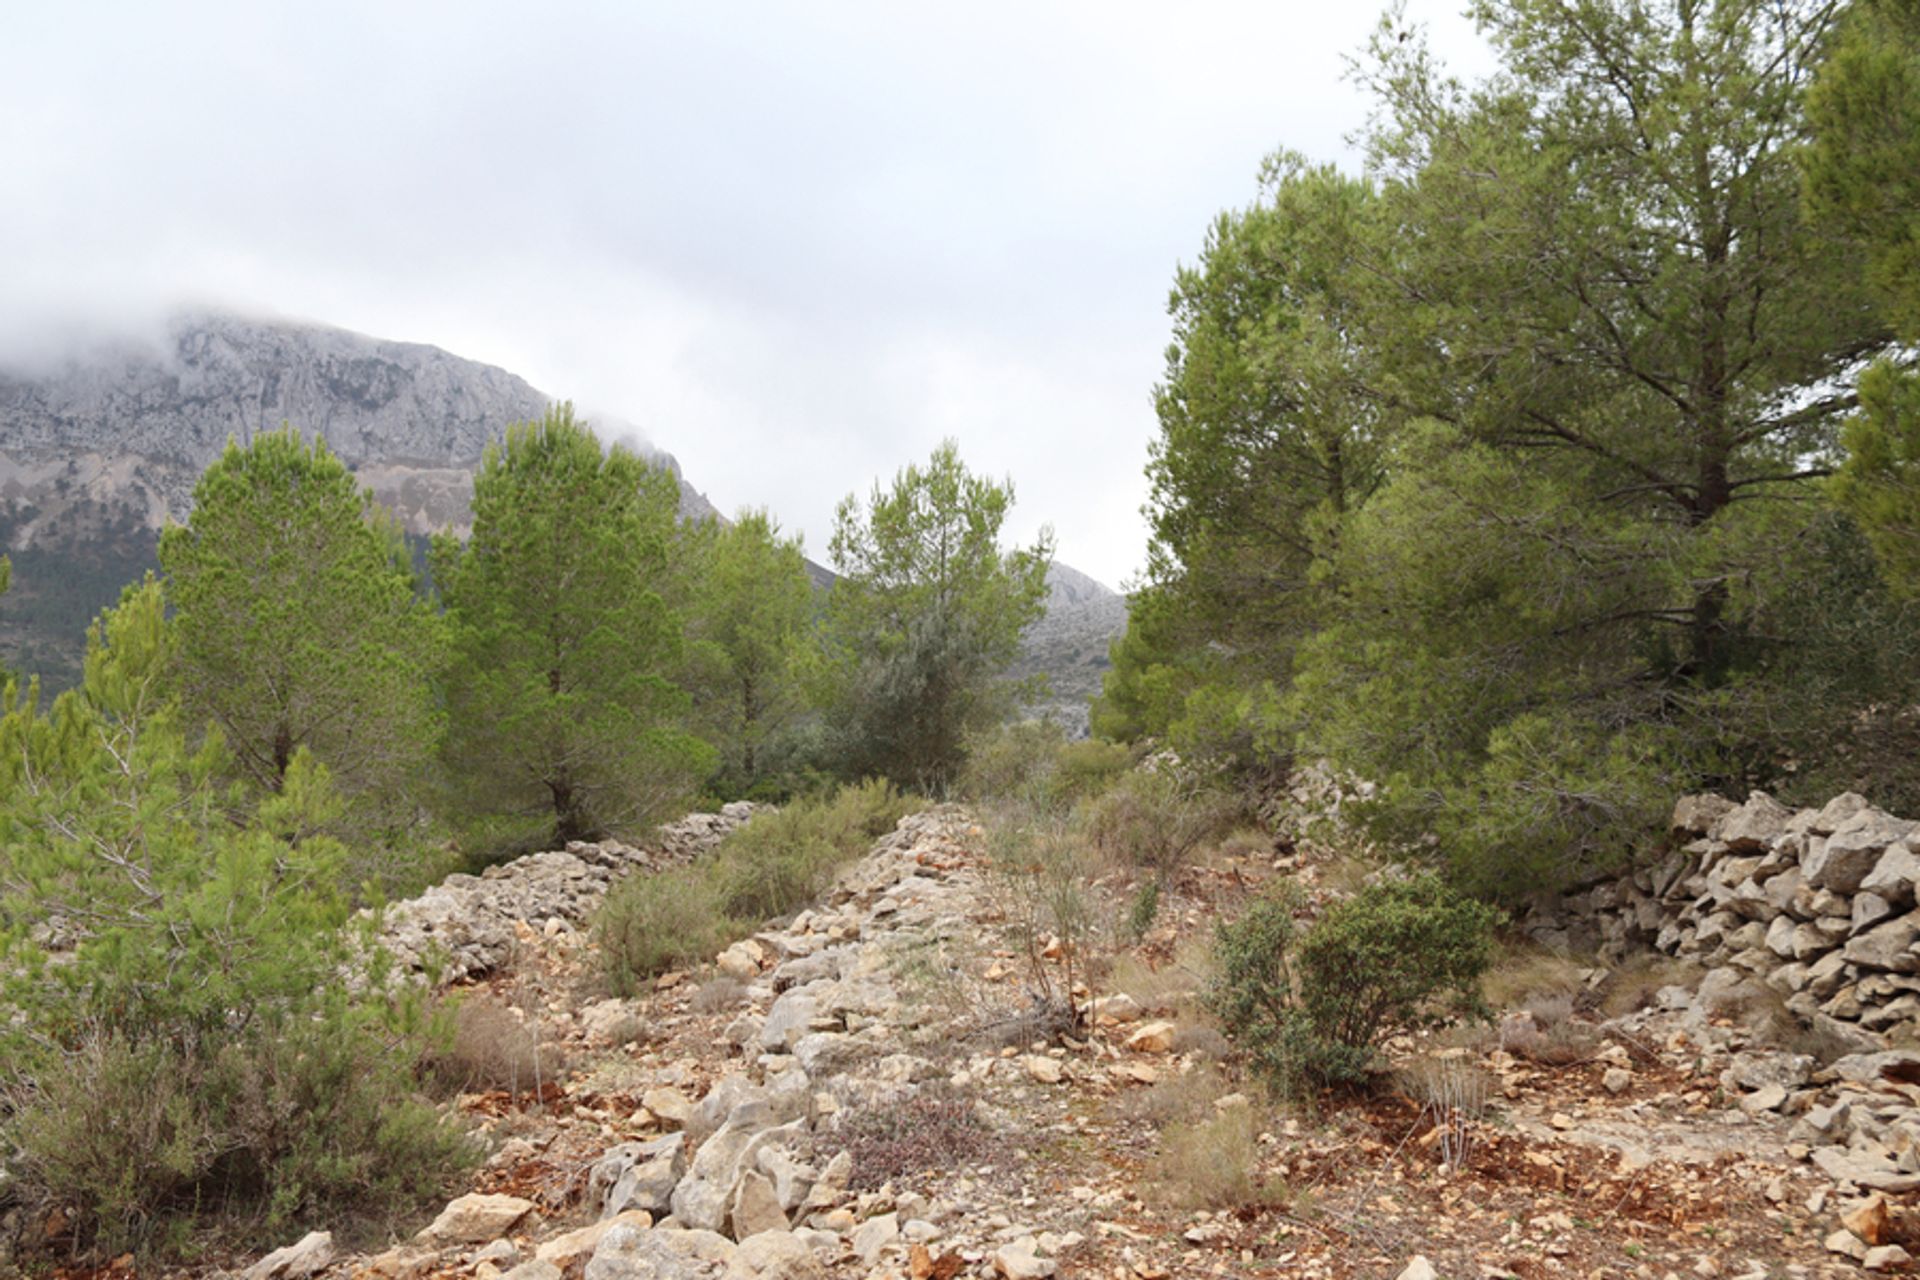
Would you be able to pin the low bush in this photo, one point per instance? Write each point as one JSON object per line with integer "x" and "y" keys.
{"x": 934, "y": 1130}
{"x": 652, "y": 923}
{"x": 1032, "y": 763}
{"x": 1213, "y": 1163}
{"x": 770, "y": 867}
{"x": 1313, "y": 1007}
{"x": 1157, "y": 819}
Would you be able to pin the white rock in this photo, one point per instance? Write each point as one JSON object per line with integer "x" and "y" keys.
{"x": 1418, "y": 1268}
{"x": 309, "y": 1256}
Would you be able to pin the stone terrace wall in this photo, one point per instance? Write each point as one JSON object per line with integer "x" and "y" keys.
{"x": 1818, "y": 904}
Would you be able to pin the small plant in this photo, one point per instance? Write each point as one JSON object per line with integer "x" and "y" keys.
{"x": 1398, "y": 955}
{"x": 1157, "y": 819}
{"x": 1146, "y": 906}
{"x": 1452, "y": 1093}
{"x": 770, "y": 867}
{"x": 931, "y": 1130}
{"x": 1040, "y": 868}
{"x": 652, "y": 923}
{"x": 491, "y": 1048}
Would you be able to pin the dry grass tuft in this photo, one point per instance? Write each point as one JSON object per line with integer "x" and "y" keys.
{"x": 493, "y": 1047}
{"x": 718, "y": 995}
{"x": 1525, "y": 972}
{"x": 1214, "y": 1164}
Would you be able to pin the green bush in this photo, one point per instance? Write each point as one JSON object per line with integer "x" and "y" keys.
{"x": 772, "y": 866}
{"x": 1032, "y": 763}
{"x": 229, "y": 1131}
{"x": 652, "y": 923}
{"x": 1313, "y": 1009}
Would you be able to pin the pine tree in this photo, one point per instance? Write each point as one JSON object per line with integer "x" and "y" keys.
{"x": 561, "y": 697}
{"x": 926, "y": 616}
{"x": 300, "y": 627}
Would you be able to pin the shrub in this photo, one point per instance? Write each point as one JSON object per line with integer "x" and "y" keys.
{"x": 933, "y": 1130}
{"x": 1213, "y": 1164}
{"x": 1033, "y": 763}
{"x": 489, "y": 1047}
{"x": 1397, "y": 955}
{"x": 1156, "y": 819}
{"x": 652, "y": 923}
{"x": 266, "y": 1128}
{"x": 770, "y": 867}
{"x": 193, "y": 1050}
{"x": 781, "y": 861}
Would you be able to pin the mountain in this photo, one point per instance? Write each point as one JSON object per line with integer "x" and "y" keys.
{"x": 1069, "y": 644}
{"x": 98, "y": 449}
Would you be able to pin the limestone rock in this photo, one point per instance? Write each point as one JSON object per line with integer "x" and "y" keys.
{"x": 1418, "y": 1268}
{"x": 1695, "y": 815}
{"x": 312, "y": 1254}
{"x": 1894, "y": 876}
{"x": 1851, "y": 853}
{"x": 872, "y": 1237}
{"x": 1755, "y": 824}
{"x": 1887, "y": 1257}
{"x": 775, "y": 1255}
{"x": 638, "y": 1175}
{"x": 756, "y": 1206}
{"x": 1888, "y": 946}
{"x": 1871, "y": 1220}
{"x": 1153, "y": 1037}
{"x": 628, "y": 1253}
{"x": 1042, "y": 1069}
{"x": 573, "y": 1247}
{"x": 476, "y": 1219}
{"x": 1837, "y": 813}
{"x": 1019, "y": 1262}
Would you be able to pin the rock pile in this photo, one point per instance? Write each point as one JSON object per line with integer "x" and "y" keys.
{"x": 466, "y": 925}
{"x": 1810, "y": 911}
{"x": 1816, "y": 905}
{"x": 753, "y": 1180}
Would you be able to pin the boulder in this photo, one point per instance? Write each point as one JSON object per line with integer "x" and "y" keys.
{"x": 1894, "y": 876}
{"x": 566, "y": 1252}
{"x": 639, "y": 1175}
{"x": 1851, "y": 853}
{"x": 791, "y": 1017}
{"x": 1869, "y": 909}
{"x": 626, "y": 1252}
{"x": 1153, "y": 1037}
{"x": 775, "y": 1255}
{"x": 671, "y": 1106}
{"x": 1838, "y": 812}
{"x": 1695, "y": 815}
{"x": 755, "y": 1207}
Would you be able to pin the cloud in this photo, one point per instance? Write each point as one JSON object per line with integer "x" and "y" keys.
{"x": 795, "y": 243}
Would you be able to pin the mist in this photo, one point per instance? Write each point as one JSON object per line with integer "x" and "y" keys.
{"x": 795, "y": 252}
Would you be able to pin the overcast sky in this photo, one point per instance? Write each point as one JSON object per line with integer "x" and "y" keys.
{"x": 797, "y": 244}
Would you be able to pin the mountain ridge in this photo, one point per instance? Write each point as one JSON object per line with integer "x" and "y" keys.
{"x": 99, "y": 448}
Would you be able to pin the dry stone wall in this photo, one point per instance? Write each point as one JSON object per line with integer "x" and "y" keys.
{"x": 1816, "y": 904}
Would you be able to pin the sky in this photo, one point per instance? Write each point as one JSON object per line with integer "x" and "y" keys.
{"x": 795, "y": 244}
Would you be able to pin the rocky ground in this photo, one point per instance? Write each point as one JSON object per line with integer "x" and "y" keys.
{"x": 869, "y": 1090}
